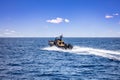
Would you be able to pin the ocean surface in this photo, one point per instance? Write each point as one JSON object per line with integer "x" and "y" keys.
{"x": 33, "y": 59}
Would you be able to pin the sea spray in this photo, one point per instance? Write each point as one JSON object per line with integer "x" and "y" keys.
{"x": 88, "y": 51}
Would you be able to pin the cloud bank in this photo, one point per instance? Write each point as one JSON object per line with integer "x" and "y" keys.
{"x": 9, "y": 33}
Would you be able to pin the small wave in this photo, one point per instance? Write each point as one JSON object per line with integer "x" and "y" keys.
{"x": 87, "y": 51}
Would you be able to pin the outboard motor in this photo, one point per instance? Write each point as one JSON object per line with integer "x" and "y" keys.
{"x": 51, "y": 43}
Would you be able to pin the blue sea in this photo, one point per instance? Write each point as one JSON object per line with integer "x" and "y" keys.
{"x": 33, "y": 59}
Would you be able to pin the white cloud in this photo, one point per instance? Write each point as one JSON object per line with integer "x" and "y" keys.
{"x": 108, "y": 16}
{"x": 111, "y": 16}
{"x": 9, "y": 33}
{"x": 116, "y": 14}
{"x": 8, "y": 30}
{"x": 67, "y": 21}
{"x": 57, "y": 20}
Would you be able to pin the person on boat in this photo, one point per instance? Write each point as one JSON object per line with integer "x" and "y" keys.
{"x": 61, "y": 36}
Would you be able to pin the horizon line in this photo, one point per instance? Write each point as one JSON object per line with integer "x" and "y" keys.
{"x": 63, "y": 37}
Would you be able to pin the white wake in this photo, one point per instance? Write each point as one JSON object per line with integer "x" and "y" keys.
{"x": 87, "y": 51}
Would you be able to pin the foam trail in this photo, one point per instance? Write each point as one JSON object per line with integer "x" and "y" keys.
{"x": 87, "y": 51}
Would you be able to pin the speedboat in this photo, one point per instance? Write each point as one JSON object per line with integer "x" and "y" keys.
{"x": 58, "y": 42}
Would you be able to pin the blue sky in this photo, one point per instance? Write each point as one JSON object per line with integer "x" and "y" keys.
{"x": 50, "y": 18}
